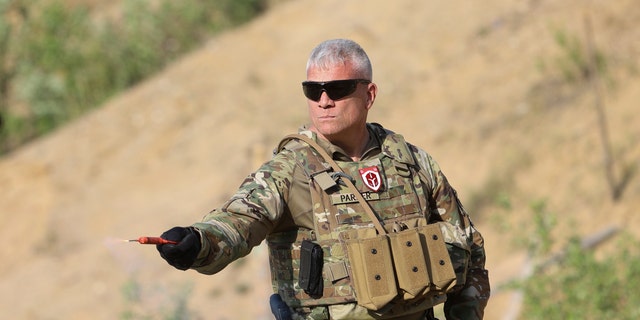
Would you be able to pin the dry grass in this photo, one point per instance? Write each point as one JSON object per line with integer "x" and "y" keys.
{"x": 462, "y": 80}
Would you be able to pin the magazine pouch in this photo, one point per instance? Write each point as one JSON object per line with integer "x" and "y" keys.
{"x": 371, "y": 267}
{"x": 439, "y": 265}
{"x": 409, "y": 248}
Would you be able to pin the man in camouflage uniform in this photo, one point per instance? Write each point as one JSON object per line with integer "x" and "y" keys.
{"x": 282, "y": 202}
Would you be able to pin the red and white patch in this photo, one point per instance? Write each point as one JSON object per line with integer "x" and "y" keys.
{"x": 371, "y": 178}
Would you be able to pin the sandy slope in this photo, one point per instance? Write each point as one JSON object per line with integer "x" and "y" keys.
{"x": 461, "y": 79}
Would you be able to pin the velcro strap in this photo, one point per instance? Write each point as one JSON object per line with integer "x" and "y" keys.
{"x": 335, "y": 271}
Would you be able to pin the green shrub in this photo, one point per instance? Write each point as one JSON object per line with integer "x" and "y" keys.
{"x": 575, "y": 284}
{"x": 57, "y": 61}
{"x": 573, "y": 62}
{"x": 584, "y": 287}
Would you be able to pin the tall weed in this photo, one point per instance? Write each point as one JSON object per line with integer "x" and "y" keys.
{"x": 576, "y": 283}
{"x": 585, "y": 287}
{"x": 58, "y": 61}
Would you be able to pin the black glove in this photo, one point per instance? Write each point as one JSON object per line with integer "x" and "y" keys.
{"x": 183, "y": 254}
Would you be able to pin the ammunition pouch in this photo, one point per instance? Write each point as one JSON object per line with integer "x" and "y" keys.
{"x": 372, "y": 274}
{"x": 408, "y": 265}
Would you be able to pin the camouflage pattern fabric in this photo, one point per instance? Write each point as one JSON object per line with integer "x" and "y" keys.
{"x": 336, "y": 210}
{"x": 275, "y": 202}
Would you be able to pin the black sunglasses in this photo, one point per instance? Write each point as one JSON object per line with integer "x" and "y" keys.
{"x": 336, "y": 89}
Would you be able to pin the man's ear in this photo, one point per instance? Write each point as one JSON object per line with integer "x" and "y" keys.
{"x": 372, "y": 92}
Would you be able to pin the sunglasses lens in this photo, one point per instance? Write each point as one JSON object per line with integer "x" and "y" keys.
{"x": 312, "y": 90}
{"x": 340, "y": 89}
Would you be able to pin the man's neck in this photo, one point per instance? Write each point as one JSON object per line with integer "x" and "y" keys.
{"x": 353, "y": 144}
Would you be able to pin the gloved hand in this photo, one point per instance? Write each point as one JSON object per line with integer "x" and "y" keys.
{"x": 183, "y": 254}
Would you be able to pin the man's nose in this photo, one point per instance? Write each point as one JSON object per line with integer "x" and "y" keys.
{"x": 325, "y": 101}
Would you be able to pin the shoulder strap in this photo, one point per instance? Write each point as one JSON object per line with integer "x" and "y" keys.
{"x": 396, "y": 147}
{"x": 337, "y": 168}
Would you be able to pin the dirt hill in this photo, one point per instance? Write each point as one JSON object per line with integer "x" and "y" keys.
{"x": 471, "y": 82}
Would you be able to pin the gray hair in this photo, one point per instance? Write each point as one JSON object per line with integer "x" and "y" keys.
{"x": 340, "y": 51}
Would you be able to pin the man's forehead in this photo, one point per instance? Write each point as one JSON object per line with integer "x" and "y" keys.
{"x": 330, "y": 72}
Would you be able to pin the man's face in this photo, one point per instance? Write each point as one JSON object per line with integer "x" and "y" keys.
{"x": 336, "y": 120}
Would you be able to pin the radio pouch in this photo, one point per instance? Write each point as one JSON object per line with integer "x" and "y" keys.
{"x": 311, "y": 260}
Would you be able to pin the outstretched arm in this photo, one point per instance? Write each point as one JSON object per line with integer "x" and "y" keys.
{"x": 231, "y": 231}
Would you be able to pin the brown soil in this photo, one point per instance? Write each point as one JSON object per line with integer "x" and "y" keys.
{"x": 472, "y": 83}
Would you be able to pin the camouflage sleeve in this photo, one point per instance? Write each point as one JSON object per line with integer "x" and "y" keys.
{"x": 243, "y": 221}
{"x": 470, "y": 300}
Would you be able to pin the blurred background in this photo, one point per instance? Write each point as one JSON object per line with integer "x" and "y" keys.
{"x": 124, "y": 118}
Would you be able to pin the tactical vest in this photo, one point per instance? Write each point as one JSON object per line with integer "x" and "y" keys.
{"x": 393, "y": 189}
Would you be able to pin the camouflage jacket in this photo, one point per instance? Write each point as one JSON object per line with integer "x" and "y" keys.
{"x": 276, "y": 199}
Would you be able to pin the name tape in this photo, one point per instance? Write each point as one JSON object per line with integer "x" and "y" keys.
{"x": 351, "y": 198}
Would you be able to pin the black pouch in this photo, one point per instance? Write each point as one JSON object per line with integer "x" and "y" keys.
{"x": 311, "y": 259}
